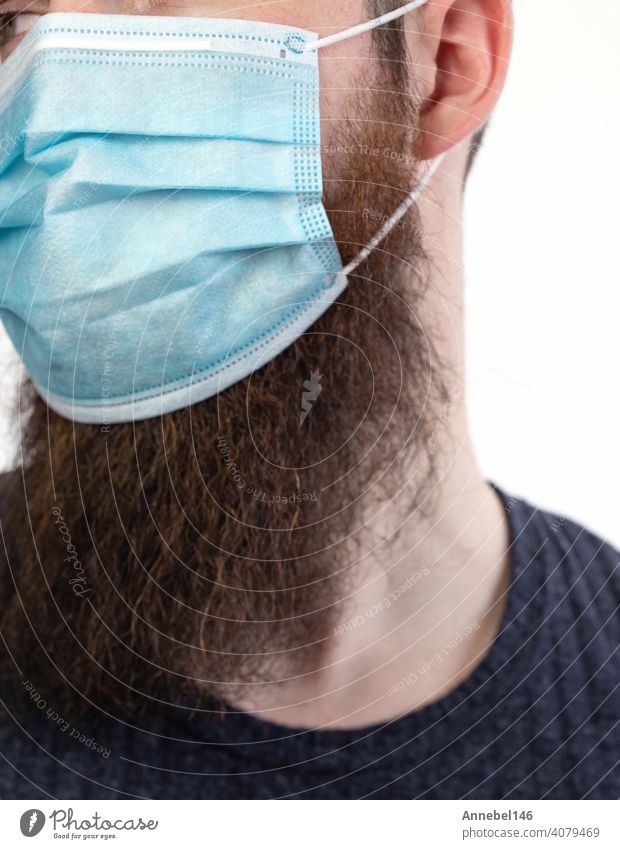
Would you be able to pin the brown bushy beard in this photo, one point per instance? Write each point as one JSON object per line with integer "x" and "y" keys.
{"x": 197, "y": 553}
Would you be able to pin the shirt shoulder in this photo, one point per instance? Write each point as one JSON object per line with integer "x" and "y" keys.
{"x": 561, "y": 537}
{"x": 574, "y": 569}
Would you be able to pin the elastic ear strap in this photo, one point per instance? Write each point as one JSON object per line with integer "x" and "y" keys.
{"x": 368, "y": 25}
{"x": 402, "y": 210}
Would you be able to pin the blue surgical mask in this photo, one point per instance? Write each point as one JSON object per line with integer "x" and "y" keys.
{"x": 162, "y": 232}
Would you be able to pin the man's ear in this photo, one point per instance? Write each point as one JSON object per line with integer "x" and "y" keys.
{"x": 464, "y": 55}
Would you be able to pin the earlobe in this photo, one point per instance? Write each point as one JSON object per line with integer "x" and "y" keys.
{"x": 470, "y": 42}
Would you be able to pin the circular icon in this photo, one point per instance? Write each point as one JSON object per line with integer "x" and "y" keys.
{"x": 32, "y": 822}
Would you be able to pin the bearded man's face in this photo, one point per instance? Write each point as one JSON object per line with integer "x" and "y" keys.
{"x": 217, "y": 541}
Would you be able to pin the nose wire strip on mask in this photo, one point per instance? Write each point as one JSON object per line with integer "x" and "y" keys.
{"x": 414, "y": 195}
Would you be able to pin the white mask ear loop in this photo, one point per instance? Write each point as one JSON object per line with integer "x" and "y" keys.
{"x": 414, "y": 195}
{"x": 402, "y": 210}
{"x": 367, "y": 25}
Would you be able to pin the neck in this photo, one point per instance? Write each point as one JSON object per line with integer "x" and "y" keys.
{"x": 426, "y": 588}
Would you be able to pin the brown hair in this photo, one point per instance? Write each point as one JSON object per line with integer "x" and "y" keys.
{"x": 197, "y": 551}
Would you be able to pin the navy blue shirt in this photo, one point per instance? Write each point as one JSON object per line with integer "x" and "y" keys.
{"x": 537, "y": 719}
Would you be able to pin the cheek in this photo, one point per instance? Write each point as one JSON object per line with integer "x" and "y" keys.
{"x": 341, "y": 82}
{"x": 344, "y": 74}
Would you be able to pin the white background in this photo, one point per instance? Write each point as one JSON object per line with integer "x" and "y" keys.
{"x": 543, "y": 286}
{"x": 543, "y": 279}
